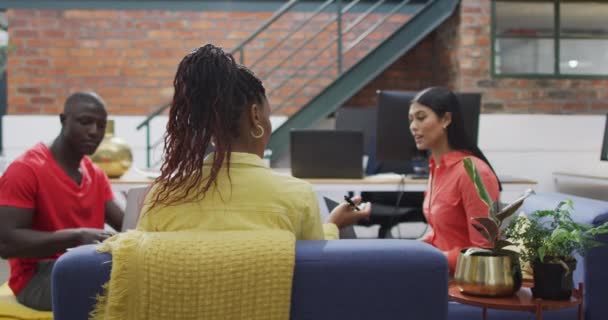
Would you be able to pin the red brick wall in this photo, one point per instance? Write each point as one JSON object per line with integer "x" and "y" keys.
{"x": 415, "y": 70}
{"x": 130, "y": 57}
{"x": 514, "y": 95}
{"x": 458, "y": 55}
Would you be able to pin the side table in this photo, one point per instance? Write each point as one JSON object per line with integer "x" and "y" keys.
{"x": 521, "y": 301}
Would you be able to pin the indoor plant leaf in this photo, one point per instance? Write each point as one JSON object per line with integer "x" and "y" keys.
{"x": 483, "y": 232}
{"x": 473, "y": 174}
{"x": 514, "y": 206}
{"x": 501, "y": 244}
{"x": 490, "y": 226}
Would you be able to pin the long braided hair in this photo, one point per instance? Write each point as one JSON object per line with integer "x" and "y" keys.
{"x": 211, "y": 93}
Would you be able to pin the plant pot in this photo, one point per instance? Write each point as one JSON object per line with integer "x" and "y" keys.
{"x": 488, "y": 275}
{"x": 552, "y": 281}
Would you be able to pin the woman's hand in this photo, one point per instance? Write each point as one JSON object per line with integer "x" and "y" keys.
{"x": 345, "y": 215}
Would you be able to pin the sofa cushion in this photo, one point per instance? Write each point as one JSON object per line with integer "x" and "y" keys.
{"x": 13, "y": 310}
{"x": 588, "y": 211}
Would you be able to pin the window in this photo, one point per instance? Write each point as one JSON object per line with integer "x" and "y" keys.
{"x": 557, "y": 38}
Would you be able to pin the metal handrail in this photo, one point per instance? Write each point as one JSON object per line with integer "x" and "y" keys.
{"x": 336, "y": 38}
{"x": 372, "y": 28}
{"x": 240, "y": 48}
{"x": 279, "y": 13}
{"x": 298, "y": 28}
{"x": 309, "y": 40}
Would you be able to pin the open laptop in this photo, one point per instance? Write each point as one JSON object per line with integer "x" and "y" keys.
{"x": 135, "y": 200}
{"x": 326, "y": 154}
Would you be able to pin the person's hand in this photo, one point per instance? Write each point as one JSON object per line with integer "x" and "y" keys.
{"x": 91, "y": 235}
{"x": 345, "y": 215}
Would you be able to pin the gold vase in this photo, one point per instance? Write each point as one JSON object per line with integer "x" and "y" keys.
{"x": 113, "y": 155}
{"x": 490, "y": 276}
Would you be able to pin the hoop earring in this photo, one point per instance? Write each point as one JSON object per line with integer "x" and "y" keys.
{"x": 258, "y": 135}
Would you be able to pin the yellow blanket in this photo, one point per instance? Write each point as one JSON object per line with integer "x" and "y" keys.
{"x": 198, "y": 275}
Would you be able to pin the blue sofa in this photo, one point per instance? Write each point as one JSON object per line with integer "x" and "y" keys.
{"x": 346, "y": 279}
{"x": 591, "y": 270}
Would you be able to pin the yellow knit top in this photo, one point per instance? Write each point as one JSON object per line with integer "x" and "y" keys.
{"x": 253, "y": 198}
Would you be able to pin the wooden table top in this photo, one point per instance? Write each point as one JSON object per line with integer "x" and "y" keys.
{"x": 522, "y": 300}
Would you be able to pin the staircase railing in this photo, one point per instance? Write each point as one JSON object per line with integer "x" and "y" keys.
{"x": 337, "y": 20}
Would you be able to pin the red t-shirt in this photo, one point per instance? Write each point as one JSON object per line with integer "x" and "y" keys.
{"x": 451, "y": 202}
{"x": 36, "y": 181}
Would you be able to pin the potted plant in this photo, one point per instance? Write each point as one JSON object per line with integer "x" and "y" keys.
{"x": 550, "y": 239}
{"x": 494, "y": 270}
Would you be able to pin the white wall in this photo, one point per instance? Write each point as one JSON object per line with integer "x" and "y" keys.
{"x": 531, "y": 146}
{"x": 535, "y": 146}
{"x": 20, "y": 132}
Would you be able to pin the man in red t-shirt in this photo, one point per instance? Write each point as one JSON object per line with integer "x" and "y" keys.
{"x": 53, "y": 198}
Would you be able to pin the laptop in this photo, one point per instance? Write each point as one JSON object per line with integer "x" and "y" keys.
{"x": 326, "y": 154}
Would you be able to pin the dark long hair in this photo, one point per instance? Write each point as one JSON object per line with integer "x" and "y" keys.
{"x": 211, "y": 93}
{"x": 442, "y": 100}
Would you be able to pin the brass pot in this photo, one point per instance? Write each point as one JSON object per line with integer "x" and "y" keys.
{"x": 488, "y": 275}
{"x": 113, "y": 155}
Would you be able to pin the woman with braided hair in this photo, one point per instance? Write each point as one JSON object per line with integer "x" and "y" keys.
{"x": 220, "y": 102}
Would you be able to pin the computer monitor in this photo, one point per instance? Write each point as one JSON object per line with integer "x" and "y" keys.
{"x": 394, "y": 142}
{"x": 359, "y": 119}
{"x": 394, "y": 139}
{"x": 604, "y": 155}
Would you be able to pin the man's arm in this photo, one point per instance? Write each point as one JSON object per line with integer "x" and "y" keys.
{"x": 17, "y": 240}
{"x": 114, "y": 215}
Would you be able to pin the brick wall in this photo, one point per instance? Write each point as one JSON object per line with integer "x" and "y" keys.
{"x": 458, "y": 55}
{"x": 130, "y": 57}
{"x": 514, "y": 95}
{"x": 419, "y": 68}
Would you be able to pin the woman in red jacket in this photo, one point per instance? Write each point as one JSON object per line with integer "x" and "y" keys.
{"x": 451, "y": 200}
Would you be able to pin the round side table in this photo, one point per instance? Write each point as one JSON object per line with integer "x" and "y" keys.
{"x": 521, "y": 301}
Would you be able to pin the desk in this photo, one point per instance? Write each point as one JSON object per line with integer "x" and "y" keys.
{"x": 381, "y": 182}
{"x": 584, "y": 184}
{"x": 582, "y": 177}
{"x": 336, "y": 188}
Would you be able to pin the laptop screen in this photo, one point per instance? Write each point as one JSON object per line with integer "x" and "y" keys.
{"x": 326, "y": 154}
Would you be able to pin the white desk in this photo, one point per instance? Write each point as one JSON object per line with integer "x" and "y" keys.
{"x": 585, "y": 184}
{"x": 582, "y": 177}
{"x": 382, "y": 182}
{"x": 336, "y": 188}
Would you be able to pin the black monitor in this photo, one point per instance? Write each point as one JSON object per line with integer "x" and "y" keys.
{"x": 362, "y": 119}
{"x": 604, "y": 156}
{"x": 394, "y": 139}
{"x": 394, "y": 142}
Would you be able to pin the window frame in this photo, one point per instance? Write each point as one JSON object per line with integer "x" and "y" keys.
{"x": 556, "y": 49}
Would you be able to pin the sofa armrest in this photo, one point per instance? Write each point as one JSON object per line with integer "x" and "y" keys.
{"x": 369, "y": 279}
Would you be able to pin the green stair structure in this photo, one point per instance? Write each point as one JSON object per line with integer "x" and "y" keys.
{"x": 288, "y": 79}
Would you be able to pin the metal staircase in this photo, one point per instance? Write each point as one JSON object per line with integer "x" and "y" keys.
{"x": 310, "y": 68}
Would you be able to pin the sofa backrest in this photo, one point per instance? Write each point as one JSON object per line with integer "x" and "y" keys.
{"x": 344, "y": 279}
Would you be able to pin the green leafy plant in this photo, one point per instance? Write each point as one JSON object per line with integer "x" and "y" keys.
{"x": 552, "y": 236}
{"x": 489, "y": 227}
